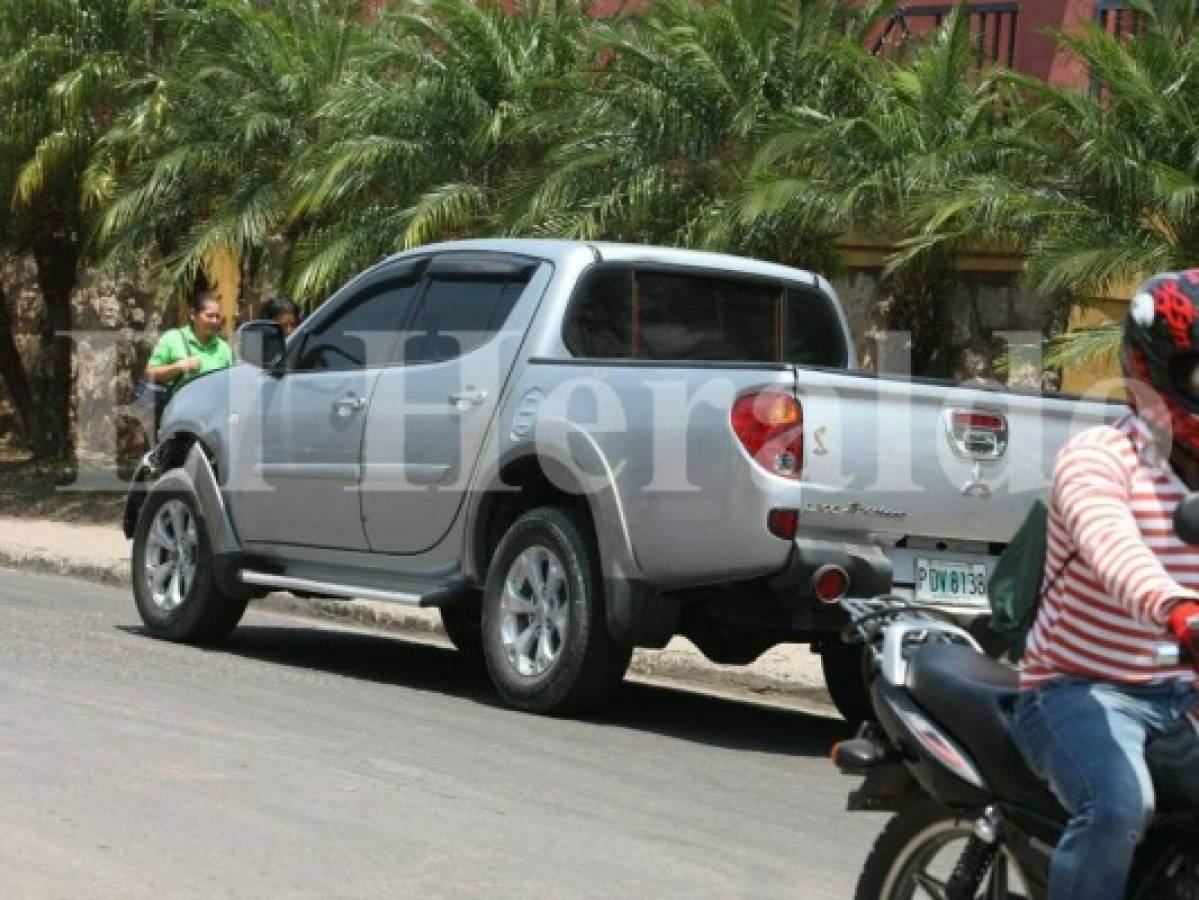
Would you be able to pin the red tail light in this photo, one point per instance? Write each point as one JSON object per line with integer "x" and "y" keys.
{"x": 770, "y": 426}
{"x": 783, "y": 523}
{"x": 988, "y": 421}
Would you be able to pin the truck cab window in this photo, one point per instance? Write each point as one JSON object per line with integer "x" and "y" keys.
{"x": 700, "y": 318}
{"x": 360, "y": 334}
{"x": 458, "y": 315}
{"x": 622, "y": 313}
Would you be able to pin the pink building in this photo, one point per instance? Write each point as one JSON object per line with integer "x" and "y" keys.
{"x": 1014, "y": 32}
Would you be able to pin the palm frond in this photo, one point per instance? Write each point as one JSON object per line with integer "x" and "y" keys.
{"x": 1085, "y": 347}
{"x": 446, "y": 211}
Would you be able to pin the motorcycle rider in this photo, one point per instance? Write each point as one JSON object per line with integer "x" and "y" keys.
{"x": 1095, "y": 684}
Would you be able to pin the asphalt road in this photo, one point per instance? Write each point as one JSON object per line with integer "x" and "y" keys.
{"x": 305, "y": 760}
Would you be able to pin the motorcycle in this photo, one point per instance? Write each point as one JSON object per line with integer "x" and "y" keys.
{"x": 970, "y": 820}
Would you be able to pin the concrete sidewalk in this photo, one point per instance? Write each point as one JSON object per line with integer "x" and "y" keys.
{"x": 789, "y": 673}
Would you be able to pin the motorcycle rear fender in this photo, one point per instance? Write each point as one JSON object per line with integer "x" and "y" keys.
{"x": 962, "y": 787}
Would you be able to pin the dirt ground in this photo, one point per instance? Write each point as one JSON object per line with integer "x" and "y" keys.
{"x": 54, "y": 492}
{"x": 32, "y": 490}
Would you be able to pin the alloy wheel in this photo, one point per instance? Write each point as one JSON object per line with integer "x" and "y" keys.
{"x": 535, "y": 611}
{"x": 170, "y": 558}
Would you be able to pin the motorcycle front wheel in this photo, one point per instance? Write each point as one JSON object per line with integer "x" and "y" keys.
{"x": 915, "y": 855}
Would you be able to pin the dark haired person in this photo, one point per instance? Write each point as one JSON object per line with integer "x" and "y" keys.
{"x": 197, "y": 348}
{"x": 284, "y": 312}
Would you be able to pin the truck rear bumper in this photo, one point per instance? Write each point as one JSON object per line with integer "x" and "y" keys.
{"x": 867, "y": 565}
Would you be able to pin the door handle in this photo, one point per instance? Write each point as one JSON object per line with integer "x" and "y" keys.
{"x": 468, "y": 398}
{"x": 349, "y": 404}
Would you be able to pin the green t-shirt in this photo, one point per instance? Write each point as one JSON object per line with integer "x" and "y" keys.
{"x": 180, "y": 343}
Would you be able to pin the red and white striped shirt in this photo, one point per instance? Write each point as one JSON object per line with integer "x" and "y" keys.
{"x": 1113, "y": 502}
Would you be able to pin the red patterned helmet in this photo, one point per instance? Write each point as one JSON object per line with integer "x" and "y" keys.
{"x": 1161, "y": 352}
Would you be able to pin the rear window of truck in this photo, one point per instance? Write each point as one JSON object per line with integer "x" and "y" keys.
{"x": 627, "y": 313}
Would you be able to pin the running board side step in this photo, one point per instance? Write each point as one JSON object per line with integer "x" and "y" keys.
{"x": 442, "y": 595}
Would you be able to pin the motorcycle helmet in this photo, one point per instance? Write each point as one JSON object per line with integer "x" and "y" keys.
{"x": 1160, "y": 356}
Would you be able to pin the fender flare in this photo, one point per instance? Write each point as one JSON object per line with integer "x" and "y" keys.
{"x": 196, "y": 477}
{"x": 634, "y": 612}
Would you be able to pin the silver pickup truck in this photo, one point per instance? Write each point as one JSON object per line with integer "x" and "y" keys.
{"x": 575, "y": 449}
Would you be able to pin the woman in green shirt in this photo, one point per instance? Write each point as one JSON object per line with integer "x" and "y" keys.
{"x": 183, "y": 354}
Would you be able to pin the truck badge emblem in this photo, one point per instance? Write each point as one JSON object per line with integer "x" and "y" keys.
{"x": 975, "y": 487}
{"x": 818, "y": 440}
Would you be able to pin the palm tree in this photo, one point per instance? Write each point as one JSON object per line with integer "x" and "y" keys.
{"x": 202, "y": 165}
{"x": 66, "y": 67}
{"x": 866, "y": 165}
{"x": 1100, "y": 188}
{"x": 670, "y": 113}
{"x": 432, "y": 141}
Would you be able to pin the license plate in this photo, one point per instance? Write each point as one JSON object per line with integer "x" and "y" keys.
{"x": 942, "y": 581}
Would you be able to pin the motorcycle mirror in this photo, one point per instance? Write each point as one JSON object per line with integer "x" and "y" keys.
{"x": 1186, "y": 519}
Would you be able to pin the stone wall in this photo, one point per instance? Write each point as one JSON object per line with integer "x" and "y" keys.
{"x": 115, "y": 324}
{"x": 987, "y": 311}
{"x": 117, "y": 320}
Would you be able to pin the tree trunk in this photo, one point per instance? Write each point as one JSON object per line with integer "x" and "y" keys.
{"x": 57, "y": 261}
{"x": 919, "y": 305}
{"x": 12, "y": 370}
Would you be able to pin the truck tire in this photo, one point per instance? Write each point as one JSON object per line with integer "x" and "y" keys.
{"x": 545, "y": 634}
{"x": 463, "y": 625}
{"x": 172, "y": 570}
{"x": 844, "y": 668}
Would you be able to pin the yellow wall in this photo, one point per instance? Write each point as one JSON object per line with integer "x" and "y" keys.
{"x": 1087, "y": 379}
{"x": 224, "y": 274}
{"x": 1101, "y": 311}
{"x": 859, "y": 252}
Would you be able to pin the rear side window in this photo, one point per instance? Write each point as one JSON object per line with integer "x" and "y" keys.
{"x": 459, "y": 315}
{"x": 621, "y": 313}
{"x": 812, "y": 335}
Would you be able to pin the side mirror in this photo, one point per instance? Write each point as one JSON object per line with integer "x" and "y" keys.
{"x": 260, "y": 343}
{"x": 1186, "y": 519}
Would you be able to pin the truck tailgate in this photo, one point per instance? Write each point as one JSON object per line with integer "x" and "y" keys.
{"x": 911, "y": 459}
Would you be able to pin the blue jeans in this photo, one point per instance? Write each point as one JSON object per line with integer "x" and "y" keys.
{"x": 1087, "y": 740}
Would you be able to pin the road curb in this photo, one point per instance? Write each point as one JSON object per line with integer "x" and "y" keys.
{"x": 687, "y": 668}
{"x": 51, "y": 564}
{"x": 360, "y": 612}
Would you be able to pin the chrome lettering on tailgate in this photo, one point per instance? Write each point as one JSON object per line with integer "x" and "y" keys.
{"x": 855, "y": 509}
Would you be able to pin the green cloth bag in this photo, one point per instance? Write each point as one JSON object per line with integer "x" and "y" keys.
{"x": 1015, "y": 588}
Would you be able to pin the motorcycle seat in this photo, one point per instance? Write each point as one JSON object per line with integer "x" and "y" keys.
{"x": 972, "y": 696}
